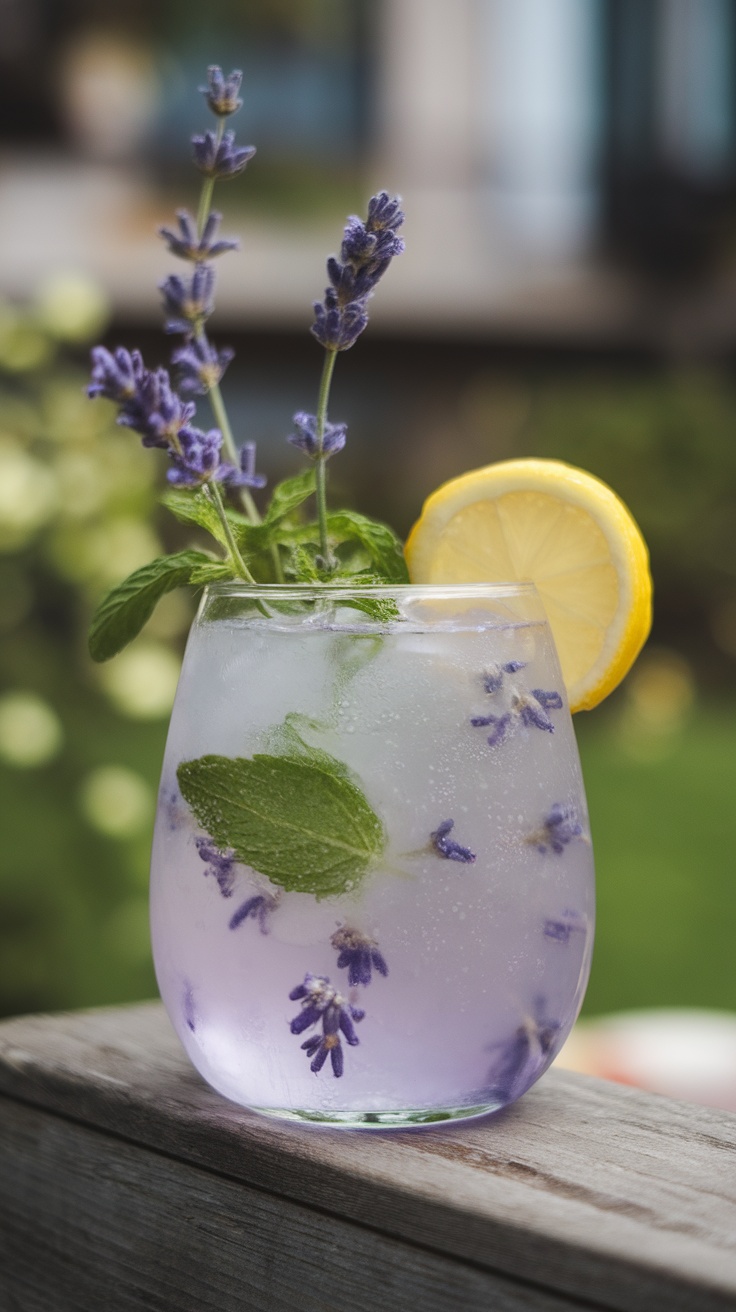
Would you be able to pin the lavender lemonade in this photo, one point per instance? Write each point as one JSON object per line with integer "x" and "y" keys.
{"x": 372, "y": 882}
{"x": 372, "y": 879}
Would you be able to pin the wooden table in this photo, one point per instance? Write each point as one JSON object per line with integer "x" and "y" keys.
{"x": 126, "y": 1183}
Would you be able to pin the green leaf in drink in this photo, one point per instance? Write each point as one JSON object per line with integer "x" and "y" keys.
{"x": 301, "y": 820}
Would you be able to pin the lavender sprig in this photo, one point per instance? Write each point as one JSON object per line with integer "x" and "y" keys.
{"x": 558, "y": 828}
{"x": 447, "y": 847}
{"x": 322, "y": 1003}
{"x": 221, "y": 92}
{"x": 189, "y": 244}
{"x": 358, "y": 954}
{"x": 260, "y": 907}
{"x": 366, "y": 252}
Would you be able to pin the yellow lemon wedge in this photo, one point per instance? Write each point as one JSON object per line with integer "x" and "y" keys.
{"x": 565, "y": 531}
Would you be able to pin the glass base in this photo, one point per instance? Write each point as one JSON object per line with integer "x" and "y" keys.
{"x": 400, "y": 1119}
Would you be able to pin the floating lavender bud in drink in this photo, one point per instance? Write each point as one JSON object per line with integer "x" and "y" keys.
{"x": 447, "y": 847}
{"x": 358, "y": 954}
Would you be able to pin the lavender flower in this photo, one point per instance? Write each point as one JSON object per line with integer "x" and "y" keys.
{"x": 190, "y": 1016}
{"x": 338, "y": 327}
{"x": 366, "y": 252}
{"x": 493, "y": 678}
{"x": 245, "y": 475}
{"x": 524, "y": 1055}
{"x": 500, "y": 726}
{"x": 154, "y": 409}
{"x": 321, "y": 1002}
{"x": 221, "y": 93}
{"x": 359, "y": 954}
{"x": 384, "y": 211}
{"x": 197, "y": 458}
{"x": 200, "y": 366}
{"x": 187, "y": 303}
{"x": 259, "y": 907}
{"x": 220, "y": 159}
{"x": 559, "y": 827}
{"x": 560, "y": 930}
{"x": 220, "y": 864}
{"x": 549, "y": 701}
{"x": 188, "y": 244}
{"x": 447, "y": 847}
{"x": 305, "y": 438}
{"x": 116, "y": 375}
{"x": 529, "y": 709}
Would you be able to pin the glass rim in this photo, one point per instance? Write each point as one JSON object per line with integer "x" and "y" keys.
{"x": 344, "y": 588}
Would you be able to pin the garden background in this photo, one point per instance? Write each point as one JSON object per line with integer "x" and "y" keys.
{"x": 569, "y": 289}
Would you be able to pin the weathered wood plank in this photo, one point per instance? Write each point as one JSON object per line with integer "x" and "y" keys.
{"x": 93, "y": 1224}
{"x": 585, "y": 1189}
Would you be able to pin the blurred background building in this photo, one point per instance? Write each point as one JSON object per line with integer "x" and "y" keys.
{"x": 568, "y": 169}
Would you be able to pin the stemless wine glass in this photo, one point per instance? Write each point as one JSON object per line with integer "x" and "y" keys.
{"x": 372, "y": 883}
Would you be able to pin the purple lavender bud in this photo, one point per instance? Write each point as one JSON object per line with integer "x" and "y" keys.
{"x": 366, "y": 252}
{"x": 384, "y": 211}
{"x": 188, "y": 302}
{"x": 337, "y": 328}
{"x": 523, "y": 1054}
{"x": 559, "y": 827}
{"x": 197, "y": 458}
{"x": 220, "y": 160}
{"x": 499, "y": 725}
{"x": 447, "y": 847}
{"x": 245, "y": 475}
{"x": 188, "y": 1008}
{"x": 115, "y": 375}
{"x": 549, "y": 701}
{"x": 513, "y": 667}
{"x": 493, "y": 681}
{"x": 260, "y": 908}
{"x": 532, "y": 714}
{"x": 156, "y": 411}
{"x": 187, "y": 243}
{"x": 321, "y": 1002}
{"x": 221, "y": 93}
{"x": 333, "y": 438}
{"x": 200, "y": 366}
{"x": 220, "y": 864}
{"x": 358, "y": 954}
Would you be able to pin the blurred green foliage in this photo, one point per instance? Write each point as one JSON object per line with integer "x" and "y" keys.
{"x": 79, "y": 747}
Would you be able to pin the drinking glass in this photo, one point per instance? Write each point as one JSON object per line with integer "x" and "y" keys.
{"x": 372, "y": 889}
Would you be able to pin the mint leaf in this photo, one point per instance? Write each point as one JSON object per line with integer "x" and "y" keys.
{"x": 194, "y": 508}
{"x": 121, "y": 615}
{"x": 288, "y": 495}
{"x": 378, "y": 540}
{"x": 301, "y": 820}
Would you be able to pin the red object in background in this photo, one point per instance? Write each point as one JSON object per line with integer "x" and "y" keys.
{"x": 683, "y": 1053}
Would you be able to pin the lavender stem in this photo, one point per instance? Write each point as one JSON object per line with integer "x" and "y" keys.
{"x": 212, "y": 491}
{"x": 216, "y": 398}
{"x": 208, "y": 186}
{"x": 321, "y": 463}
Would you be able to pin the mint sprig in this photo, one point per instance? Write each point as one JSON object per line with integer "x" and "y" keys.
{"x": 122, "y": 613}
{"x": 300, "y": 819}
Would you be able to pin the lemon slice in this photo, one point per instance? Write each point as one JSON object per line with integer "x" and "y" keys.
{"x": 566, "y": 532}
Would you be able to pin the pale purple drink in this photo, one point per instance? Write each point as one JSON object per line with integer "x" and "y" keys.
{"x": 440, "y": 976}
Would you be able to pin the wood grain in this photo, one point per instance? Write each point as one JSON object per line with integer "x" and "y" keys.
{"x": 122, "y": 1227}
{"x": 584, "y": 1190}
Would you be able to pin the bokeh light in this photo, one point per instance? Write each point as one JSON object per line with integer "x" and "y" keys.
{"x": 117, "y": 801}
{"x": 142, "y": 680}
{"x": 30, "y": 731}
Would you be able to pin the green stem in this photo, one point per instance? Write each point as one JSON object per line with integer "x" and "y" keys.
{"x": 208, "y": 186}
{"x": 212, "y": 491}
{"x": 216, "y": 398}
{"x": 321, "y": 463}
